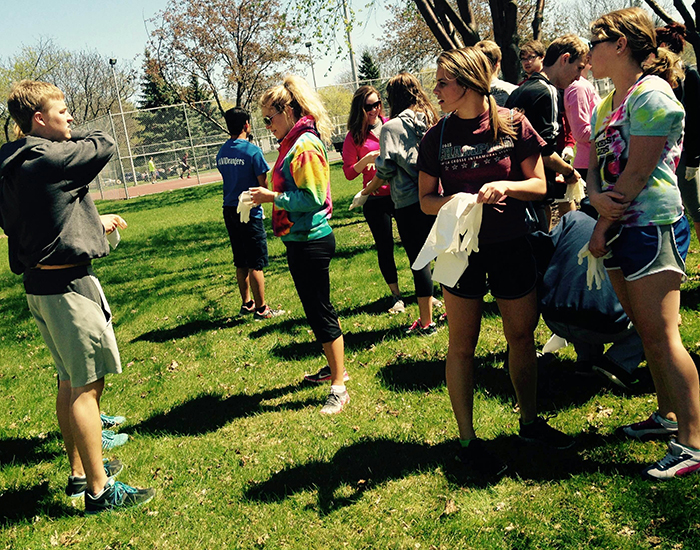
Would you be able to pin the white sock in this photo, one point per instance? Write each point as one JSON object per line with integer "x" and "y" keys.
{"x": 338, "y": 390}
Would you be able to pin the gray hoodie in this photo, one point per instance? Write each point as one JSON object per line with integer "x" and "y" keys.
{"x": 45, "y": 208}
{"x": 396, "y": 163}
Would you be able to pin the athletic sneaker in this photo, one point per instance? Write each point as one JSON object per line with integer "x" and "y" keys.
{"x": 77, "y": 484}
{"x": 267, "y": 313}
{"x": 111, "y": 440}
{"x": 654, "y": 427}
{"x": 117, "y": 495}
{"x": 323, "y": 375}
{"x": 398, "y": 307}
{"x": 541, "y": 432}
{"x": 335, "y": 402}
{"x": 616, "y": 374}
{"x": 247, "y": 309}
{"x": 418, "y": 328}
{"x": 679, "y": 461}
{"x": 480, "y": 462}
{"x": 111, "y": 421}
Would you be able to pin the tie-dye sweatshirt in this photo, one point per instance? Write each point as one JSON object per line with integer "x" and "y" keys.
{"x": 301, "y": 176}
{"x": 648, "y": 109}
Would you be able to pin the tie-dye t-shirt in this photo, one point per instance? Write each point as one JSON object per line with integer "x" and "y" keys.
{"x": 648, "y": 109}
{"x": 301, "y": 176}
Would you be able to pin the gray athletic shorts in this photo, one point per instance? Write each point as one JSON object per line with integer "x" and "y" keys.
{"x": 75, "y": 321}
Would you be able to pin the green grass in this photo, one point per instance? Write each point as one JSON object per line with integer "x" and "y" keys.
{"x": 238, "y": 452}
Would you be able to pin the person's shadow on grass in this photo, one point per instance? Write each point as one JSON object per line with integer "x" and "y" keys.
{"x": 29, "y": 450}
{"x": 210, "y": 412}
{"x": 342, "y": 480}
{"x": 25, "y": 503}
{"x": 189, "y": 329}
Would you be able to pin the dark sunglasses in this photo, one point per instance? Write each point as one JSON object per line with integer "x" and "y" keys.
{"x": 593, "y": 43}
{"x": 529, "y": 58}
{"x": 268, "y": 119}
{"x": 370, "y": 107}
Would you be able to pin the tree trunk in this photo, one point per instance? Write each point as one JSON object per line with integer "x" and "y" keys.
{"x": 537, "y": 20}
{"x": 690, "y": 24}
{"x": 505, "y": 31}
{"x": 435, "y": 26}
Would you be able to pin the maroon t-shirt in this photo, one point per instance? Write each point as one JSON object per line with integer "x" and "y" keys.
{"x": 466, "y": 161}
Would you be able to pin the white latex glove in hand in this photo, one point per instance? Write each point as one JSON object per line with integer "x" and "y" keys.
{"x": 595, "y": 274}
{"x": 245, "y": 203}
{"x": 567, "y": 154}
{"x": 691, "y": 172}
{"x": 358, "y": 200}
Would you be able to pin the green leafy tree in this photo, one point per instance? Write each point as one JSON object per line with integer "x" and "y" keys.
{"x": 232, "y": 48}
{"x": 84, "y": 76}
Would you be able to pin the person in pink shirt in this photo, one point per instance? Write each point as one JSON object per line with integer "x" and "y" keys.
{"x": 360, "y": 149}
{"x": 580, "y": 98}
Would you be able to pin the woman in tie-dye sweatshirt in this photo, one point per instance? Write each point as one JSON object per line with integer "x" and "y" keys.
{"x": 636, "y": 136}
{"x": 301, "y": 197}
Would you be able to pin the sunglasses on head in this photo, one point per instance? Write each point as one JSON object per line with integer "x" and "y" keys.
{"x": 593, "y": 43}
{"x": 268, "y": 119}
{"x": 369, "y": 107}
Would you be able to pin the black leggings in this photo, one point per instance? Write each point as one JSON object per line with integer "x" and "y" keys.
{"x": 414, "y": 227}
{"x": 378, "y": 212}
{"x": 308, "y": 264}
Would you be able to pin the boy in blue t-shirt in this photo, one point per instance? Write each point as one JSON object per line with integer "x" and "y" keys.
{"x": 243, "y": 166}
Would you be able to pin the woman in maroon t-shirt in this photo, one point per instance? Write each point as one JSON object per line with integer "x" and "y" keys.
{"x": 494, "y": 153}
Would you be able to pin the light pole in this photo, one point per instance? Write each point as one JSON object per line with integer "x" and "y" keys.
{"x": 353, "y": 64}
{"x": 112, "y": 63}
{"x": 311, "y": 60}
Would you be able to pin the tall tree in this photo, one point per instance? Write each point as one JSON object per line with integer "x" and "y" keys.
{"x": 233, "y": 47}
{"x": 84, "y": 76}
{"x": 368, "y": 69}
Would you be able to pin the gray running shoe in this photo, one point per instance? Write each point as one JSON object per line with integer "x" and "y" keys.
{"x": 77, "y": 485}
{"x": 654, "y": 427}
{"x": 117, "y": 495}
{"x": 335, "y": 402}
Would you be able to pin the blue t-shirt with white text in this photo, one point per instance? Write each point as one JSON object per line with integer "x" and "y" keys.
{"x": 240, "y": 163}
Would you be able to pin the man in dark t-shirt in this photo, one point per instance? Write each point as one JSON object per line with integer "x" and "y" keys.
{"x": 539, "y": 98}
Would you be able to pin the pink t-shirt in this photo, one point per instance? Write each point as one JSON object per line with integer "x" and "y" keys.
{"x": 464, "y": 161}
{"x": 352, "y": 153}
{"x": 580, "y": 98}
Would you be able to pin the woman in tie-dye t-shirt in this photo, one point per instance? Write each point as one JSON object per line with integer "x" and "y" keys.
{"x": 302, "y": 206}
{"x": 637, "y": 136}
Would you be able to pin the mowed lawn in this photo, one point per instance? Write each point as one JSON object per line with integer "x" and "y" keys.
{"x": 236, "y": 448}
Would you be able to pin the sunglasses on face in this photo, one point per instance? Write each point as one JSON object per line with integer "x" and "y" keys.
{"x": 593, "y": 43}
{"x": 268, "y": 119}
{"x": 371, "y": 106}
{"x": 529, "y": 58}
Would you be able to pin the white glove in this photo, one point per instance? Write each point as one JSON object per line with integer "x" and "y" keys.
{"x": 691, "y": 172}
{"x": 596, "y": 269}
{"x": 358, "y": 200}
{"x": 567, "y": 154}
{"x": 245, "y": 203}
{"x": 575, "y": 192}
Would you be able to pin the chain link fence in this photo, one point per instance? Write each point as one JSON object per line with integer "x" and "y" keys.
{"x": 182, "y": 140}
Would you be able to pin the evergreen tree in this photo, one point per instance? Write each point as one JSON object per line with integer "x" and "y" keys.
{"x": 368, "y": 69}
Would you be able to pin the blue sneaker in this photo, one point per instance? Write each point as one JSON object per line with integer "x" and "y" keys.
{"x": 111, "y": 421}
{"x": 111, "y": 440}
{"x": 117, "y": 495}
{"x": 77, "y": 485}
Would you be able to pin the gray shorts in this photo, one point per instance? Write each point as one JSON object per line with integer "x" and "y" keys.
{"x": 75, "y": 321}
